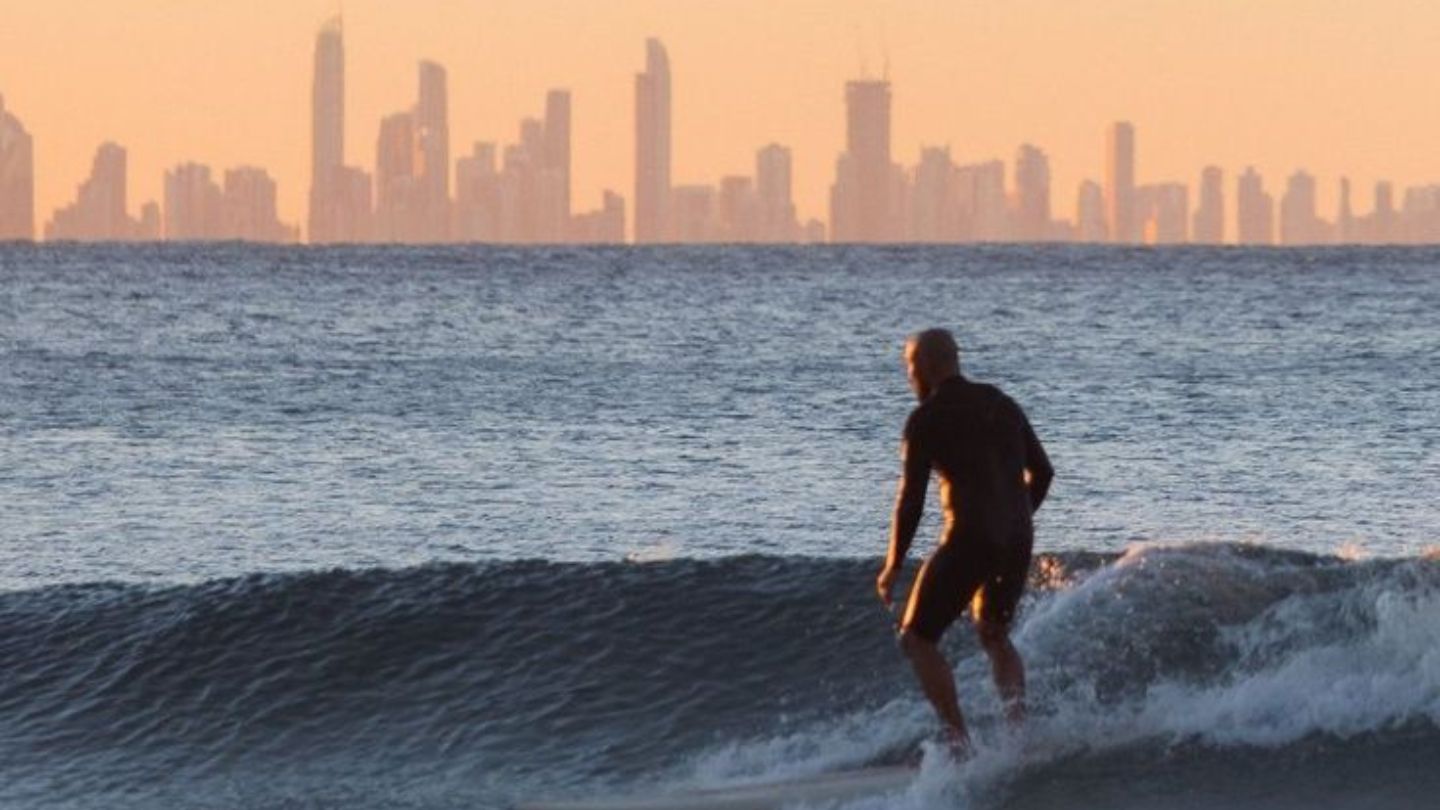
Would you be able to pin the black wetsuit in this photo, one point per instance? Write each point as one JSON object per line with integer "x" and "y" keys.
{"x": 980, "y": 444}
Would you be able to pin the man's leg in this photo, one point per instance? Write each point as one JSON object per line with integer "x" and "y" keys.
{"x": 938, "y": 683}
{"x": 1005, "y": 666}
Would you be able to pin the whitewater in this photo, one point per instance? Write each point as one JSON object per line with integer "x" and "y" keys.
{"x": 461, "y": 527}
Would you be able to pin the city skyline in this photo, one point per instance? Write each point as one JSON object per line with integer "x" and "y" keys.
{"x": 1064, "y": 173}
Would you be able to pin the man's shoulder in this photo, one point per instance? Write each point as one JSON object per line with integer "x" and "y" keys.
{"x": 985, "y": 392}
{"x": 991, "y": 400}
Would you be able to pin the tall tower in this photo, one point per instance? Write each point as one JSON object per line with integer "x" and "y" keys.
{"x": 1345, "y": 218}
{"x": 1032, "y": 194}
{"x": 1254, "y": 210}
{"x": 773, "y": 170}
{"x": 862, "y": 208}
{"x": 1209, "y": 226}
{"x": 396, "y": 185}
{"x": 1090, "y": 213}
{"x": 557, "y": 148}
{"x": 652, "y": 145}
{"x": 327, "y": 130}
{"x": 432, "y": 134}
{"x": 1120, "y": 182}
{"x": 1299, "y": 223}
{"x": 17, "y": 179}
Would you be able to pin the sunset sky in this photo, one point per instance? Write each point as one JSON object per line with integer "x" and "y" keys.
{"x": 1335, "y": 86}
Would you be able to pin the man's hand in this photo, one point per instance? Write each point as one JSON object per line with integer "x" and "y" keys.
{"x": 885, "y": 585}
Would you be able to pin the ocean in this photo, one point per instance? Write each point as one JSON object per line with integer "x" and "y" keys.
{"x": 462, "y": 527}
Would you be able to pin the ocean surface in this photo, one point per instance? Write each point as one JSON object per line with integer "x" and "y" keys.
{"x": 464, "y": 527}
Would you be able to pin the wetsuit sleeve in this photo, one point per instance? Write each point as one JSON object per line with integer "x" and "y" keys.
{"x": 1036, "y": 463}
{"x": 910, "y": 499}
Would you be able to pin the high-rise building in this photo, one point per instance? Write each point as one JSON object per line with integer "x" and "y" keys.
{"x": 984, "y": 213}
{"x": 557, "y": 150}
{"x": 327, "y": 130}
{"x": 17, "y": 179}
{"x": 151, "y": 228}
{"x": 694, "y": 214}
{"x": 1420, "y": 215}
{"x": 398, "y": 206}
{"x": 863, "y": 206}
{"x": 340, "y": 195}
{"x": 605, "y": 226}
{"x": 652, "y": 146}
{"x": 1383, "y": 221}
{"x": 934, "y": 200}
{"x": 193, "y": 205}
{"x": 1299, "y": 222}
{"x": 773, "y": 187}
{"x": 1120, "y": 182}
{"x": 1254, "y": 210}
{"x": 432, "y": 140}
{"x": 527, "y": 200}
{"x": 1090, "y": 213}
{"x": 98, "y": 213}
{"x": 1345, "y": 217}
{"x": 739, "y": 210}
{"x": 478, "y": 196}
{"x": 1163, "y": 211}
{"x": 248, "y": 208}
{"x": 1032, "y": 194}
{"x": 1210, "y": 213}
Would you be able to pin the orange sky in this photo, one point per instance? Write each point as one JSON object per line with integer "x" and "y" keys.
{"x": 1335, "y": 86}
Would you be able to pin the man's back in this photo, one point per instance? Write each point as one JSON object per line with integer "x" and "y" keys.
{"x": 981, "y": 444}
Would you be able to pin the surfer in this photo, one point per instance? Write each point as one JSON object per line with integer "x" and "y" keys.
{"x": 993, "y": 475}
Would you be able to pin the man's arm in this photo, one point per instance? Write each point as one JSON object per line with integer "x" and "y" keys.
{"x": 1038, "y": 472}
{"x": 909, "y": 506}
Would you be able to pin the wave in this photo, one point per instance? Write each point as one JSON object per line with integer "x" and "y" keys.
{"x": 483, "y": 683}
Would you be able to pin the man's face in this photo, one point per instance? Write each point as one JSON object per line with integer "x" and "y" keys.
{"x": 916, "y": 372}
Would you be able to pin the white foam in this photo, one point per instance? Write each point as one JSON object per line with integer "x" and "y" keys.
{"x": 1308, "y": 649}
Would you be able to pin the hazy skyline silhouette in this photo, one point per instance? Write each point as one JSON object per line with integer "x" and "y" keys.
{"x": 939, "y": 92}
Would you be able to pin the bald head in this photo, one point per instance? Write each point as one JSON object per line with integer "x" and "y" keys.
{"x": 931, "y": 357}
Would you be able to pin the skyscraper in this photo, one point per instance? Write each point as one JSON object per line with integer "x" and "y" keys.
{"x": 477, "y": 196}
{"x": 193, "y": 204}
{"x": 1210, "y": 213}
{"x": 1254, "y": 210}
{"x": 603, "y": 226}
{"x": 1163, "y": 211}
{"x": 327, "y": 132}
{"x": 1032, "y": 194}
{"x": 1090, "y": 213}
{"x": 934, "y": 201}
{"x": 1345, "y": 217}
{"x": 398, "y": 208}
{"x": 652, "y": 145}
{"x": 17, "y": 179}
{"x": 432, "y": 136}
{"x": 773, "y": 186}
{"x": 738, "y": 210}
{"x": 99, "y": 211}
{"x": 557, "y": 151}
{"x": 248, "y": 208}
{"x": 1120, "y": 182}
{"x": 1299, "y": 223}
{"x": 983, "y": 208}
{"x": 863, "y": 208}
{"x": 1383, "y": 223}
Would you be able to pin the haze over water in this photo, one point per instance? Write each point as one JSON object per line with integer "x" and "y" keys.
{"x": 1330, "y": 86}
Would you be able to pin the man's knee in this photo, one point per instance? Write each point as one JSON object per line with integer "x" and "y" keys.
{"x": 914, "y": 645}
{"x": 993, "y": 635}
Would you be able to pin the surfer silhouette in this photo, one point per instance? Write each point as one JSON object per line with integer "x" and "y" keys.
{"x": 993, "y": 475}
